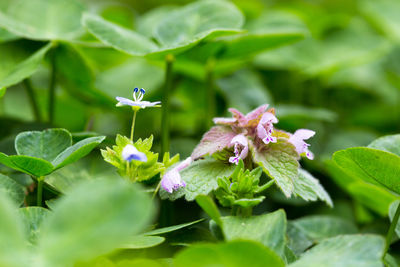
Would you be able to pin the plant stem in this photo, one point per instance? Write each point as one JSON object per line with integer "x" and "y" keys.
{"x": 52, "y": 86}
{"x": 165, "y": 104}
{"x": 32, "y": 99}
{"x": 39, "y": 197}
{"x": 391, "y": 230}
{"x": 155, "y": 191}
{"x": 210, "y": 92}
{"x": 133, "y": 124}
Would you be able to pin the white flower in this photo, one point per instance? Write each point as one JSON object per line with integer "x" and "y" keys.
{"x": 241, "y": 148}
{"x": 265, "y": 128}
{"x": 297, "y": 139}
{"x": 122, "y": 101}
{"x": 130, "y": 153}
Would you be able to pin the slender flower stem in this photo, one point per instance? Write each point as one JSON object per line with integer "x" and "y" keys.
{"x": 52, "y": 86}
{"x": 391, "y": 230}
{"x": 32, "y": 99}
{"x": 39, "y": 197}
{"x": 165, "y": 104}
{"x": 133, "y": 124}
{"x": 155, "y": 191}
{"x": 210, "y": 92}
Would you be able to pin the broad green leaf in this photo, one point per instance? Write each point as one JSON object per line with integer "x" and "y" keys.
{"x": 231, "y": 254}
{"x": 24, "y": 69}
{"x": 244, "y": 90}
{"x": 13, "y": 251}
{"x": 280, "y": 163}
{"x": 196, "y": 21}
{"x": 2, "y": 91}
{"x": 33, "y": 166}
{"x": 84, "y": 225}
{"x": 319, "y": 227}
{"x": 389, "y": 143}
{"x": 371, "y": 164}
{"x": 42, "y": 19}
{"x": 375, "y": 197}
{"x": 147, "y": 23}
{"x": 12, "y": 189}
{"x": 44, "y": 145}
{"x": 32, "y": 218}
{"x": 208, "y": 205}
{"x": 344, "y": 251}
{"x": 118, "y": 37}
{"x": 309, "y": 188}
{"x": 200, "y": 178}
{"x": 77, "y": 151}
{"x": 6, "y": 36}
{"x": 392, "y": 211}
{"x": 268, "y": 229}
{"x": 298, "y": 241}
{"x": 143, "y": 241}
{"x": 173, "y": 228}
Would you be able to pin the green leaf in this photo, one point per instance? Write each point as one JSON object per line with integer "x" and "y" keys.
{"x": 24, "y": 69}
{"x": 208, "y": 205}
{"x": 200, "y": 178}
{"x": 2, "y": 91}
{"x": 44, "y": 145}
{"x": 231, "y": 254}
{"x": 147, "y": 22}
{"x": 13, "y": 252}
{"x": 280, "y": 163}
{"x": 268, "y": 229}
{"x": 319, "y": 227}
{"x": 30, "y": 165}
{"x": 173, "y": 228}
{"x": 196, "y": 21}
{"x": 32, "y": 218}
{"x": 309, "y": 188}
{"x": 389, "y": 143}
{"x": 344, "y": 251}
{"x": 375, "y": 197}
{"x": 118, "y": 37}
{"x": 77, "y": 151}
{"x": 392, "y": 211}
{"x": 12, "y": 189}
{"x": 58, "y": 19}
{"x": 83, "y": 226}
{"x": 143, "y": 241}
{"x": 371, "y": 165}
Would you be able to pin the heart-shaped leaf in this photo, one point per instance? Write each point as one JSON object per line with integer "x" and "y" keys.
{"x": 390, "y": 143}
{"x": 84, "y": 225}
{"x": 45, "y": 145}
{"x": 29, "y": 165}
{"x": 42, "y": 19}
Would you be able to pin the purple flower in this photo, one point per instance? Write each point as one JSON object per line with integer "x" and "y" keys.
{"x": 265, "y": 128}
{"x": 241, "y": 148}
{"x": 172, "y": 179}
{"x": 137, "y": 96}
{"x": 297, "y": 139}
{"x": 241, "y": 120}
{"x": 130, "y": 153}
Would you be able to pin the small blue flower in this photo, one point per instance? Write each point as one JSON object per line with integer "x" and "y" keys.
{"x": 137, "y": 100}
{"x": 130, "y": 153}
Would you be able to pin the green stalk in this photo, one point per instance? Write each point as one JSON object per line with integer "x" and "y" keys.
{"x": 39, "y": 197}
{"x": 32, "y": 99}
{"x": 391, "y": 230}
{"x": 264, "y": 187}
{"x": 165, "y": 104}
{"x": 210, "y": 92}
{"x": 133, "y": 123}
{"x": 52, "y": 87}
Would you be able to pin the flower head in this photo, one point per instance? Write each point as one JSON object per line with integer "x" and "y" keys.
{"x": 297, "y": 139}
{"x": 172, "y": 179}
{"x": 241, "y": 148}
{"x": 265, "y": 128}
{"x": 137, "y": 100}
{"x": 130, "y": 153}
